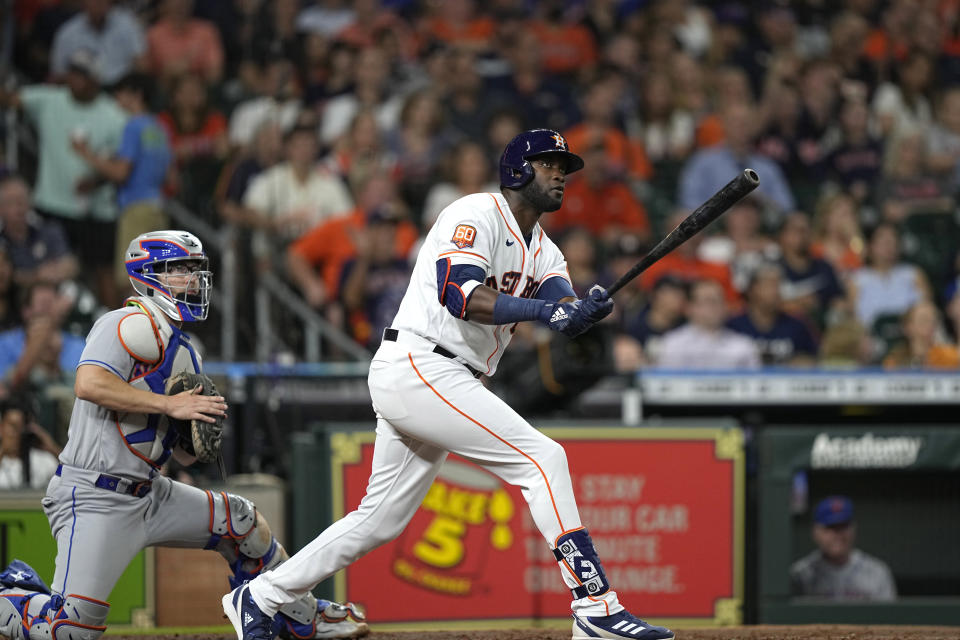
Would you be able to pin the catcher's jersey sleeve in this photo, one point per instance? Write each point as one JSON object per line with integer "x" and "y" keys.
{"x": 480, "y": 230}
{"x": 93, "y": 439}
{"x": 105, "y": 349}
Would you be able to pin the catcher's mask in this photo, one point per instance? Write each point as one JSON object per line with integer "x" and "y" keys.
{"x": 171, "y": 269}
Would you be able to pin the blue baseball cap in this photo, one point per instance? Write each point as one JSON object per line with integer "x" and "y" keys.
{"x": 833, "y": 510}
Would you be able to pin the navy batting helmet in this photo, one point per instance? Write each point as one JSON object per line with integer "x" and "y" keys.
{"x": 515, "y": 168}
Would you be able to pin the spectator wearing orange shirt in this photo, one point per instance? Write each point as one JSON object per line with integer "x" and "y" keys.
{"x": 684, "y": 264}
{"x": 599, "y": 201}
{"x": 624, "y": 155}
{"x": 370, "y": 21}
{"x": 891, "y": 41}
{"x": 925, "y": 344}
{"x": 373, "y": 282}
{"x": 316, "y": 259}
{"x": 567, "y": 47}
{"x": 179, "y": 43}
{"x": 456, "y": 23}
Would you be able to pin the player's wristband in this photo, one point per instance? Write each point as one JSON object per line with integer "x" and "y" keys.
{"x": 508, "y": 309}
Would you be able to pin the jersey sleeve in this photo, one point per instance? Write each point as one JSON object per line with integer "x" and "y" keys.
{"x": 550, "y": 263}
{"x": 104, "y": 348}
{"x": 466, "y": 234}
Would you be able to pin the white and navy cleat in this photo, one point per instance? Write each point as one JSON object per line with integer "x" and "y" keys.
{"x": 619, "y": 625}
{"x": 246, "y": 617}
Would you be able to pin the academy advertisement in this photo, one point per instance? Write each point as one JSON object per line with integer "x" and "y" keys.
{"x": 664, "y": 508}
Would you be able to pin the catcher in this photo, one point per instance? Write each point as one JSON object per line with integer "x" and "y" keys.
{"x": 141, "y": 399}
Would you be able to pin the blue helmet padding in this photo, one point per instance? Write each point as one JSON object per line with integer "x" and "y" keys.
{"x": 515, "y": 168}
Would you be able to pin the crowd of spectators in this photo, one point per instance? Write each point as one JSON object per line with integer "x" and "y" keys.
{"x": 332, "y": 133}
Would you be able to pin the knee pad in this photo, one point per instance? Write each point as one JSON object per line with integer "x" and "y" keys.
{"x": 235, "y": 518}
{"x": 576, "y": 554}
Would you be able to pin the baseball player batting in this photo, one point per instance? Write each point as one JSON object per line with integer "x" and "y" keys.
{"x": 451, "y": 329}
{"x": 139, "y": 385}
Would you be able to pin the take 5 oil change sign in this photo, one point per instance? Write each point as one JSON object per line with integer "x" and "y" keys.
{"x": 664, "y": 508}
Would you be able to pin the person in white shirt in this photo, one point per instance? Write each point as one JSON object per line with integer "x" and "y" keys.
{"x": 705, "y": 342}
{"x": 295, "y": 195}
{"x": 28, "y": 454}
{"x": 279, "y": 103}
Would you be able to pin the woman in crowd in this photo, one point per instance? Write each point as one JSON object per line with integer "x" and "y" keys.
{"x": 837, "y": 236}
{"x": 886, "y": 286}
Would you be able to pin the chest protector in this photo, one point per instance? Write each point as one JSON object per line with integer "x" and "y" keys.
{"x": 159, "y": 350}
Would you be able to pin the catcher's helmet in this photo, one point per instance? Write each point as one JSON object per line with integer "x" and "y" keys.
{"x": 515, "y": 168}
{"x": 153, "y": 254}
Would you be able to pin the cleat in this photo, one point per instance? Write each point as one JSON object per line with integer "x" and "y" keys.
{"x": 246, "y": 617}
{"x": 333, "y": 620}
{"x": 619, "y": 625}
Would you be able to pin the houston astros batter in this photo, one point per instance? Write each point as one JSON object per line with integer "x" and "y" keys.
{"x": 107, "y": 501}
{"x": 450, "y": 330}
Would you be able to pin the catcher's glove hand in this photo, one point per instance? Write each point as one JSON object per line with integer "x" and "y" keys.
{"x": 198, "y": 438}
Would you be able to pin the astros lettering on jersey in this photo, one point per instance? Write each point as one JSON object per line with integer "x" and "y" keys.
{"x": 480, "y": 230}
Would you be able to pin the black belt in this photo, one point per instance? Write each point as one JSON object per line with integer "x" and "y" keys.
{"x": 391, "y": 335}
{"x": 120, "y": 485}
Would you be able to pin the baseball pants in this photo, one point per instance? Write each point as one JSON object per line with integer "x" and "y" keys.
{"x": 99, "y": 532}
{"x": 428, "y": 405}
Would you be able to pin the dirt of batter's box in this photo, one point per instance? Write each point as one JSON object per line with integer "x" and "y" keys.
{"x": 759, "y": 632}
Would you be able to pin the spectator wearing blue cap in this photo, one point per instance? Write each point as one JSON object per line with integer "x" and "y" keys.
{"x": 836, "y": 570}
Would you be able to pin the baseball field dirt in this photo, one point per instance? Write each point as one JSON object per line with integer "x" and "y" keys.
{"x": 759, "y": 632}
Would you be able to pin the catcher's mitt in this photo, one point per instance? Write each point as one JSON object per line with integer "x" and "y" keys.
{"x": 198, "y": 438}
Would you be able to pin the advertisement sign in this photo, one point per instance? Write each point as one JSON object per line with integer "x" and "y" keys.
{"x": 663, "y": 506}
{"x": 25, "y": 535}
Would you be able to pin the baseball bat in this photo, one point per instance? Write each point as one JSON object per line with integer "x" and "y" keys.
{"x": 693, "y": 224}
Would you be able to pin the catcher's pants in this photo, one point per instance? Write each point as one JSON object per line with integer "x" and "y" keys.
{"x": 427, "y": 405}
{"x": 98, "y": 532}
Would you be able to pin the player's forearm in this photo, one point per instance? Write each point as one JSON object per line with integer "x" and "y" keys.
{"x": 488, "y": 306}
{"x": 481, "y": 303}
{"x": 101, "y": 387}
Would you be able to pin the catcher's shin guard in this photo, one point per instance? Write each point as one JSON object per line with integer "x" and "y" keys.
{"x": 584, "y": 575}
{"x": 38, "y": 616}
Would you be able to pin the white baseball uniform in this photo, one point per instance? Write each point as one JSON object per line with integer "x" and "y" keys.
{"x": 429, "y": 404}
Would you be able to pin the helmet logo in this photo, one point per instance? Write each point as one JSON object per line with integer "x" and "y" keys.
{"x": 558, "y": 141}
{"x": 528, "y": 145}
